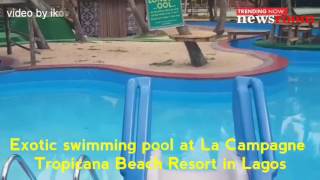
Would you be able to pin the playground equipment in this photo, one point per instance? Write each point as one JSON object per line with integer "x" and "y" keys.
{"x": 247, "y": 91}
{"x": 27, "y": 5}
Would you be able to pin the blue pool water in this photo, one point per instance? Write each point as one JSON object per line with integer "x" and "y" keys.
{"x": 74, "y": 104}
{"x": 295, "y": 109}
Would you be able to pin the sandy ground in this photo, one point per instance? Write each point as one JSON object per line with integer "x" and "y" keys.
{"x": 139, "y": 55}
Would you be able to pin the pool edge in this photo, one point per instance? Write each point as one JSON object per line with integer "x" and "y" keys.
{"x": 277, "y": 63}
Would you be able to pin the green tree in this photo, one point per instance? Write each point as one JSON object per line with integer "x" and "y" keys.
{"x": 196, "y": 56}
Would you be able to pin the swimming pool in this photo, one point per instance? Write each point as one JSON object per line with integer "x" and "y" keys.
{"x": 73, "y": 104}
{"x": 294, "y": 110}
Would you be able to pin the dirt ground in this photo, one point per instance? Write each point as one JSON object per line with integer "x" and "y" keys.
{"x": 139, "y": 55}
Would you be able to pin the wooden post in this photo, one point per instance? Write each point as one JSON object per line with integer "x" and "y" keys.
{"x": 7, "y": 30}
{"x": 272, "y": 33}
{"x": 41, "y": 40}
{"x": 185, "y": 6}
{"x": 32, "y": 42}
{"x": 62, "y": 5}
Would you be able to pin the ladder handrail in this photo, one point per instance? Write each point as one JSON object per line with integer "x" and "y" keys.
{"x": 23, "y": 165}
{"x": 249, "y": 98}
{"x": 137, "y": 124}
{"x": 77, "y": 171}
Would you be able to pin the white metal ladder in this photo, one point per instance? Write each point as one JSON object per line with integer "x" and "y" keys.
{"x": 15, "y": 157}
{"x": 23, "y": 165}
{"x": 77, "y": 171}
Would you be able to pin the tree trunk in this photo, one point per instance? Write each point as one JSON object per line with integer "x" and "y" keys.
{"x": 290, "y": 8}
{"x": 196, "y": 56}
{"x": 222, "y": 17}
{"x": 215, "y": 8}
{"x": 71, "y": 6}
{"x": 210, "y": 9}
{"x": 265, "y": 3}
{"x": 139, "y": 18}
{"x": 255, "y": 2}
{"x": 41, "y": 41}
{"x": 185, "y": 6}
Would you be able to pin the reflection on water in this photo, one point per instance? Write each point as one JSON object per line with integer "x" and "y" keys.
{"x": 294, "y": 125}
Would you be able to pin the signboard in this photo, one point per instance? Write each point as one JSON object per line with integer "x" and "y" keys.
{"x": 164, "y": 14}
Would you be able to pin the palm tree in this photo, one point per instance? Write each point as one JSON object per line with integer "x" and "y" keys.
{"x": 212, "y": 8}
{"x": 40, "y": 40}
{"x": 71, "y": 6}
{"x": 196, "y": 56}
{"x": 139, "y": 18}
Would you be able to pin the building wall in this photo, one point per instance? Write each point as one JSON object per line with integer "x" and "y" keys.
{"x": 104, "y": 18}
{"x": 89, "y": 17}
{"x": 113, "y": 18}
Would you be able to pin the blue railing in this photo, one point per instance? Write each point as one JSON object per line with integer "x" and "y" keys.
{"x": 251, "y": 122}
{"x": 250, "y": 119}
{"x": 137, "y": 123}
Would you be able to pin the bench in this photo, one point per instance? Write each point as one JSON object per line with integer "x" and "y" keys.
{"x": 293, "y": 40}
{"x": 232, "y": 34}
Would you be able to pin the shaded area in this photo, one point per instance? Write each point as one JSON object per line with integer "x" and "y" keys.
{"x": 313, "y": 46}
{"x": 55, "y": 29}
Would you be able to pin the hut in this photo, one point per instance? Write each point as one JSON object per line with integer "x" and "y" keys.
{"x": 104, "y": 18}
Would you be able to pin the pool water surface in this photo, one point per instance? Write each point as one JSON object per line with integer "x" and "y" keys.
{"x": 75, "y": 104}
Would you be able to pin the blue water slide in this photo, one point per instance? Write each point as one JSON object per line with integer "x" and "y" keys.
{"x": 251, "y": 122}
{"x": 137, "y": 124}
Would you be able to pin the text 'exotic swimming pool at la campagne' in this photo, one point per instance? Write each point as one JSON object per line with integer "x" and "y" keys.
{"x": 74, "y": 104}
